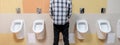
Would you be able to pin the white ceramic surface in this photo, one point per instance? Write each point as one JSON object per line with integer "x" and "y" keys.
{"x": 82, "y": 26}
{"x": 38, "y": 26}
{"x": 118, "y": 29}
{"x": 17, "y": 28}
{"x": 104, "y": 26}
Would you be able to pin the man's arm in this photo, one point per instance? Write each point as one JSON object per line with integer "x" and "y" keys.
{"x": 50, "y": 9}
{"x": 70, "y": 8}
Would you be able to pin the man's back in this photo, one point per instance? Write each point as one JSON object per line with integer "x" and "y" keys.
{"x": 60, "y": 10}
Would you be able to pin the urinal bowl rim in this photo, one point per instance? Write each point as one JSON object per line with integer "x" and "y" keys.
{"x": 104, "y": 21}
{"x": 38, "y": 21}
{"x": 21, "y": 26}
{"x": 82, "y": 21}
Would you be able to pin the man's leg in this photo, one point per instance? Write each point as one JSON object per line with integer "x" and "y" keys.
{"x": 65, "y": 33}
{"x": 56, "y": 35}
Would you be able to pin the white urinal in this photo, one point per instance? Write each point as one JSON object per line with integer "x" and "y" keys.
{"x": 38, "y": 29}
{"x": 82, "y": 28}
{"x": 118, "y": 29}
{"x": 104, "y": 27}
{"x": 17, "y": 28}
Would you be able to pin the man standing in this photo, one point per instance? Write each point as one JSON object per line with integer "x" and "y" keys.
{"x": 60, "y": 12}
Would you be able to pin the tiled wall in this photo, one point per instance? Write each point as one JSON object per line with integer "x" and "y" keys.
{"x": 6, "y": 37}
{"x": 9, "y": 6}
{"x": 29, "y": 6}
{"x": 113, "y": 6}
{"x": 91, "y": 6}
